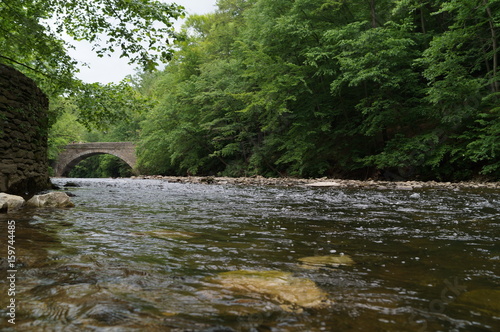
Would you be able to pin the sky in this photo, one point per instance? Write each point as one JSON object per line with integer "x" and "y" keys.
{"x": 113, "y": 69}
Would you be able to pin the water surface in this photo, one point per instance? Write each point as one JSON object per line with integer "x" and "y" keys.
{"x": 425, "y": 260}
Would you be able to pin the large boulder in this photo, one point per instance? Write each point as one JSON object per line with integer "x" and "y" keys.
{"x": 53, "y": 199}
{"x": 9, "y": 203}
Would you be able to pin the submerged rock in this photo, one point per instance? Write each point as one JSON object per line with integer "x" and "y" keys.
{"x": 53, "y": 199}
{"x": 281, "y": 287}
{"x": 9, "y": 203}
{"x": 316, "y": 262}
{"x": 167, "y": 234}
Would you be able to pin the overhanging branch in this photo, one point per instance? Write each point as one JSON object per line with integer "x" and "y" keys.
{"x": 22, "y": 64}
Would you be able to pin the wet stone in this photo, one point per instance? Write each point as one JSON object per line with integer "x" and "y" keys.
{"x": 53, "y": 199}
{"x": 316, "y": 262}
{"x": 9, "y": 203}
{"x": 167, "y": 234}
{"x": 292, "y": 293}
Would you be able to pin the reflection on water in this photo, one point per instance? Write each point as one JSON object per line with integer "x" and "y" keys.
{"x": 147, "y": 255}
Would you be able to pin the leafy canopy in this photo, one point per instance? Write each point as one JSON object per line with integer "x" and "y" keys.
{"x": 357, "y": 88}
{"x": 31, "y": 40}
{"x": 31, "y": 30}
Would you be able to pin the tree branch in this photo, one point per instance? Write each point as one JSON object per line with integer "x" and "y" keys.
{"x": 24, "y": 65}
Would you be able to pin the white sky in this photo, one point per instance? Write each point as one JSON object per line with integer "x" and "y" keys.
{"x": 114, "y": 69}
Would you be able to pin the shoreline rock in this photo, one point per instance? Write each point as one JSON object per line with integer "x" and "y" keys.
{"x": 56, "y": 199}
{"x": 10, "y": 203}
{"x": 322, "y": 182}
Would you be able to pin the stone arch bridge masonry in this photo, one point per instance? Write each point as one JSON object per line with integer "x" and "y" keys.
{"x": 23, "y": 134}
{"x": 74, "y": 153}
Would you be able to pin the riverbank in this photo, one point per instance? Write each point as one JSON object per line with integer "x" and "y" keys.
{"x": 322, "y": 182}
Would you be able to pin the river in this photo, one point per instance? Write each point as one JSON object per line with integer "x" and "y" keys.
{"x": 149, "y": 255}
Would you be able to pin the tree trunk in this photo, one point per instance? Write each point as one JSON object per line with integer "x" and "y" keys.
{"x": 373, "y": 13}
{"x": 494, "y": 42}
{"x": 422, "y": 20}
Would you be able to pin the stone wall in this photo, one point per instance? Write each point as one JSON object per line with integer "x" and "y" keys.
{"x": 23, "y": 134}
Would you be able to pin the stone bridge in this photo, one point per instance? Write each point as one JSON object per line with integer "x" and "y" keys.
{"x": 76, "y": 152}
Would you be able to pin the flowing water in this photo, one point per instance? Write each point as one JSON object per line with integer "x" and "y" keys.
{"x": 148, "y": 255}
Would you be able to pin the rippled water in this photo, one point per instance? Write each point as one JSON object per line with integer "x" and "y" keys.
{"x": 144, "y": 255}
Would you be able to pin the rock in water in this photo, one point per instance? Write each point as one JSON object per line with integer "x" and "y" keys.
{"x": 167, "y": 234}
{"x": 316, "y": 262}
{"x": 53, "y": 199}
{"x": 9, "y": 203}
{"x": 324, "y": 184}
{"x": 282, "y": 287}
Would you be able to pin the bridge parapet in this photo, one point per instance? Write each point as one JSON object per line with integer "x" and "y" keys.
{"x": 76, "y": 152}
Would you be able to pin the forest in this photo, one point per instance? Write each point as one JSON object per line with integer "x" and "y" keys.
{"x": 379, "y": 89}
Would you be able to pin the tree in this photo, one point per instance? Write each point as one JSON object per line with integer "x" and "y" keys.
{"x": 31, "y": 31}
{"x": 30, "y": 40}
{"x": 461, "y": 66}
{"x": 66, "y": 129}
{"x": 395, "y": 88}
{"x": 101, "y": 166}
{"x": 190, "y": 129}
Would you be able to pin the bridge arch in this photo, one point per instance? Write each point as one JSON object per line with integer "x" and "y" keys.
{"x": 74, "y": 153}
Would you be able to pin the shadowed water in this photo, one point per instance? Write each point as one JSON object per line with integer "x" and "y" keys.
{"x": 147, "y": 255}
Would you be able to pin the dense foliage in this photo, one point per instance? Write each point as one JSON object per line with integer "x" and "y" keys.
{"x": 101, "y": 166}
{"x": 393, "y": 88}
{"x": 399, "y": 89}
